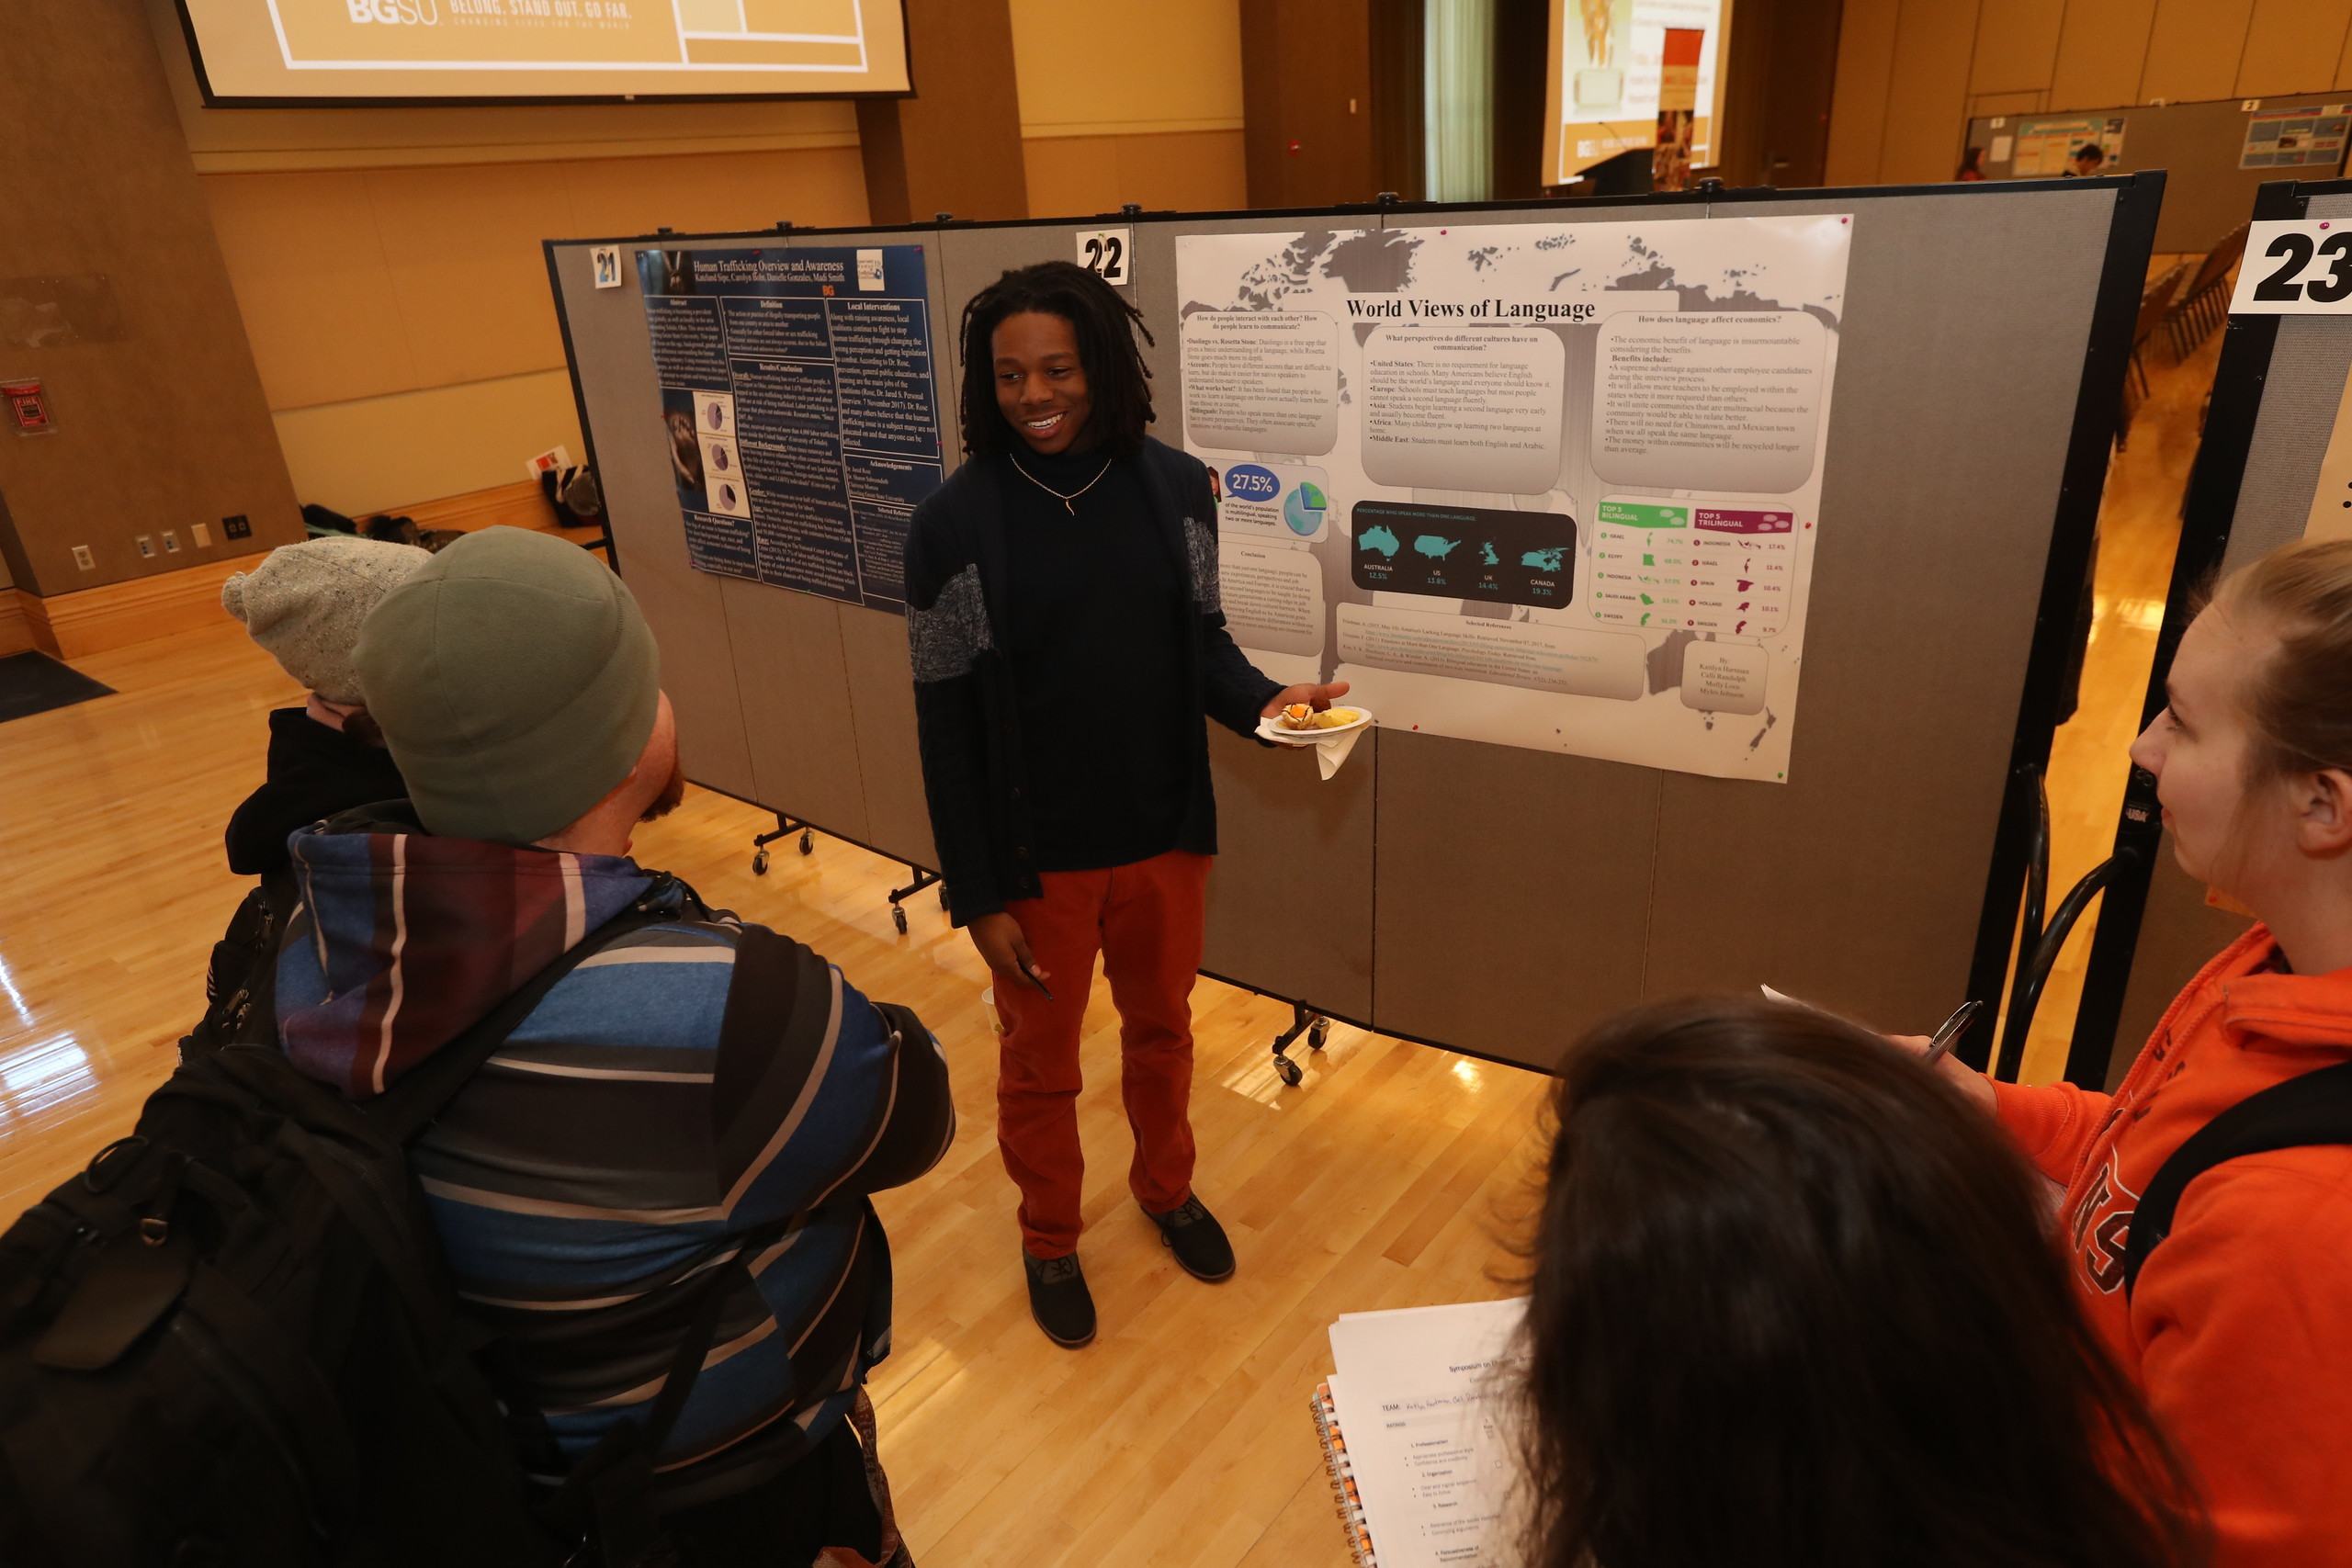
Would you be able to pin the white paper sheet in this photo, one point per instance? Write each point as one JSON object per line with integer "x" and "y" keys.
{"x": 1422, "y": 1394}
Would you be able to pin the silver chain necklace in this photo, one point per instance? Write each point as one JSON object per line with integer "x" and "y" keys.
{"x": 1070, "y": 501}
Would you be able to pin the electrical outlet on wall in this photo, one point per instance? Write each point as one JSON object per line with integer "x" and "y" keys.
{"x": 202, "y": 534}
{"x": 84, "y": 558}
{"x": 236, "y": 527}
{"x": 171, "y": 541}
{"x": 146, "y": 546}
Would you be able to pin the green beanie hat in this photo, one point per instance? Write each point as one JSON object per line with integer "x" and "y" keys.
{"x": 515, "y": 682}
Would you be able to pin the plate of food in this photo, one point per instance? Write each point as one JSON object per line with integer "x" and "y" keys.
{"x": 1299, "y": 725}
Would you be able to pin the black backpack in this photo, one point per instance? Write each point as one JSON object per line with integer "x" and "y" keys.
{"x": 241, "y": 978}
{"x": 2311, "y": 1109}
{"x": 229, "y": 1340}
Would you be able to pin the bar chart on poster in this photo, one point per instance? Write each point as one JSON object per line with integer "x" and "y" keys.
{"x": 362, "y": 51}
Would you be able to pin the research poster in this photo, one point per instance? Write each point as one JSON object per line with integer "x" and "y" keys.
{"x": 798, "y": 410}
{"x": 1551, "y": 486}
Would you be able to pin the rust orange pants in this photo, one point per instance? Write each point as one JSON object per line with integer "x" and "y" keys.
{"x": 1144, "y": 921}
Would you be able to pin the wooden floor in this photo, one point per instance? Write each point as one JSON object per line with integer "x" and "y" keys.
{"x": 1395, "y": 1175}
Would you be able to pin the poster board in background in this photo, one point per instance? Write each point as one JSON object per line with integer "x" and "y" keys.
{"x": 2044, "y": 145}
{"x": 357, "y": 51}
{"x": 1606, "y": 60}
{"x": 2310, "y": 136}
{"x": 2199, "y": 145}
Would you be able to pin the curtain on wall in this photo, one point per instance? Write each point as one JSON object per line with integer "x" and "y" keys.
{"x": 1458, "y": 115}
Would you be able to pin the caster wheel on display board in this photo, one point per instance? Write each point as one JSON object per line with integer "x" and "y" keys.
{"x": 899, "y": 919}
{"x": 1317, "y": 1036}
{"x": 760, "y": 863}
{"x": 808, "y": 842}
{"x": 1288, "y": 1071}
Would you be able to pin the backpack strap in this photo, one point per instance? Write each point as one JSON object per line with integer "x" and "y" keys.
{"x": 2314, "y": 1108}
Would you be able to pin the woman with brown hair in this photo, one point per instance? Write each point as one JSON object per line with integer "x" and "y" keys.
{"x": 1793, "y": 1303}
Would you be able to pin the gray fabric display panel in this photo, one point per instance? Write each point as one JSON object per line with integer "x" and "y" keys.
{"x": 1500, "y": 899}
{"x": 2309, "y": 365}
{"x": 2198, "y": 145}
{"x": 612, "y": 364}
{"x": 814, "y": 713}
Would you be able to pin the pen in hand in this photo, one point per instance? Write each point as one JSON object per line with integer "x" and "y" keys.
{"x": 1949, "y": 1035}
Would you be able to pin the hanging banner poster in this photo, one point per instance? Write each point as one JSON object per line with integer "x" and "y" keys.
{"x": 798, "y": 410}
{"x": 1552, "y": 486}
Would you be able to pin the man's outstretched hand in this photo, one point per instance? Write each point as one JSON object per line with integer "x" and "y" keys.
{"x": 1314, "y": 696}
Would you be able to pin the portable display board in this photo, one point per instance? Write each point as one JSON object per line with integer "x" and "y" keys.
{"x": 2216, "y": 153}
{"x": 2257, "y": 485}
{"x": 1574, "y": 824}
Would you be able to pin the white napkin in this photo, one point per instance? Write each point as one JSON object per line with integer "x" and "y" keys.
{"x": 1330, "y": 754}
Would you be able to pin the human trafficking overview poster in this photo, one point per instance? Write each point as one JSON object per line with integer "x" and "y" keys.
{"x": 798, "y": 410}
{"x": 1552, "y": 486}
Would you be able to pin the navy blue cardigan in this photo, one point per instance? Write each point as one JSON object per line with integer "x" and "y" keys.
{"x": 966, "y": 714}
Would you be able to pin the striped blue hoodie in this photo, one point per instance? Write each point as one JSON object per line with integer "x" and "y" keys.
{"x": 615, "y": 1149}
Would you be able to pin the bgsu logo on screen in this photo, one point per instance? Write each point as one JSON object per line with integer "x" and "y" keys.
{"x": 413, "y": 13}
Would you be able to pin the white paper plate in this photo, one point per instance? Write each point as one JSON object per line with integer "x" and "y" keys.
{"x": 1270, "y": 730}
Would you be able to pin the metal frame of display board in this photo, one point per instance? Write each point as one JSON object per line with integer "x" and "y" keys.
{"x": 2120, "y": 962}
{"x": 2120, "y": 273}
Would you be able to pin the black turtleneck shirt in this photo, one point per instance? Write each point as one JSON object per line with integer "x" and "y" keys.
{"x": 1098, "y": 613}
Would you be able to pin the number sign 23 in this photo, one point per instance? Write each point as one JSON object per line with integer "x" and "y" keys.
{"x": 1107, "y": 253}
{"x": 2300, "y": 269}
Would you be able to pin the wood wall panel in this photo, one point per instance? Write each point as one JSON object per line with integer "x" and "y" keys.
{"x": 956, "y": 145}
{"x": 821, "y": 188}
{"x": 2101, "y": 46}
{"x": 1928, "y": 83}
{"x": 2016, "y": 45}
{"x": 1327, "y": 111}
{"x": 2290, "y": 45}
{"x": 1137, "y": 67}
{"x": 161, "y": 419}
{"x": 1858, "y": 105}
{"x": 2007, "y": 103}
{"x": 1182, "y": 172}
{"x": 2193, "y": 51}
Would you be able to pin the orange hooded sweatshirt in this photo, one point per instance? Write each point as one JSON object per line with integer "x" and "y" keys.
{"x": 2240, "y": 1329}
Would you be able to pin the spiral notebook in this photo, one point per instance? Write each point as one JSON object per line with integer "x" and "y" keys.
{"x": 1344, "y": 1495}
{"x": 1412, "y": 1425}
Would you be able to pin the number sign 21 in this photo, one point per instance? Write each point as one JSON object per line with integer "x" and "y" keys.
{"x": 1107, "y": 253}
{"x": 2302, "y": 267}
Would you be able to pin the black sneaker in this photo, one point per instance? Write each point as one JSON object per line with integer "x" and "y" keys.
{"x": 1058, "y": 1300}
{"x": 1192, "y": 1234}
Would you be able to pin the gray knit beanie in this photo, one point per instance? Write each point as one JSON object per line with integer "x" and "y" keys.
{"x": 515, "y": 682}
{"x": 304, "y": 604}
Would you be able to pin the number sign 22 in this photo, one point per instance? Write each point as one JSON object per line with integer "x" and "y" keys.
{"x": 2303, "y": 267}
{"x": 1107, "y": 253}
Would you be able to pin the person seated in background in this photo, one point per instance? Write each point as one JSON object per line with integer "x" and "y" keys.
{"x": 2088, "y": 160}
{"x": 304, "y": 604}
{"x": 702, "y": 1106}
{"x": 1795, "y": 1303}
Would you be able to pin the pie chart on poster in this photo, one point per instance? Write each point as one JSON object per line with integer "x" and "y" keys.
{"x": 1303, "y": 509}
